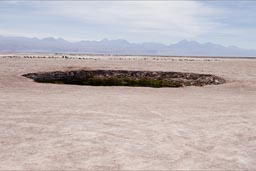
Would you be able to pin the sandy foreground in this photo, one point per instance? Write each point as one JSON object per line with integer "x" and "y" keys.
{"x": 70, "y": 127}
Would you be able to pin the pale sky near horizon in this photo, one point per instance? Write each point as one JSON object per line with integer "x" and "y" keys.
{"x": 222, "y": 22}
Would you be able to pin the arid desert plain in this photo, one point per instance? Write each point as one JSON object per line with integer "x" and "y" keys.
{"x": 71, "y": 127}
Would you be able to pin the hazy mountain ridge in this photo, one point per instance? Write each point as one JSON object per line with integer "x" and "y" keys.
{"x": 119, "y": 46}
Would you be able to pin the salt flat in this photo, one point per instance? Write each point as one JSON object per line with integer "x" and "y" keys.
{"x": 70, "y": 127}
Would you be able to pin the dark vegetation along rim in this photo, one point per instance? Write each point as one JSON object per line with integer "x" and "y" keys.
{"x": 126, "y": 78}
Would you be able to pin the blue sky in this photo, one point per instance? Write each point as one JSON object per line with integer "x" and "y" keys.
{"x": 222, "y": 22}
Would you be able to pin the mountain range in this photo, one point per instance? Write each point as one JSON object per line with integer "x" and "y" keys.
{"x": 120, "y": 47}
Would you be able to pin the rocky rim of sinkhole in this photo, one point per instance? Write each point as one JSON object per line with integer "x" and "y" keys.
{"x": 126, "y": 78}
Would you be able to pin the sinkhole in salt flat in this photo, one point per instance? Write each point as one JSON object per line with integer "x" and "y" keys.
{"x": 126, "y": 78}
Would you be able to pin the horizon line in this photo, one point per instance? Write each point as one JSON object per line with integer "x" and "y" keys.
{"x": 130, "y": 42}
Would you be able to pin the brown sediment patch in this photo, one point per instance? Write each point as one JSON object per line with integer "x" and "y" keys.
{"x": 126, "y": 78}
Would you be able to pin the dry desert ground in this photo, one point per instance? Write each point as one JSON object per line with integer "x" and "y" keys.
{"x": 71, "y": 127}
